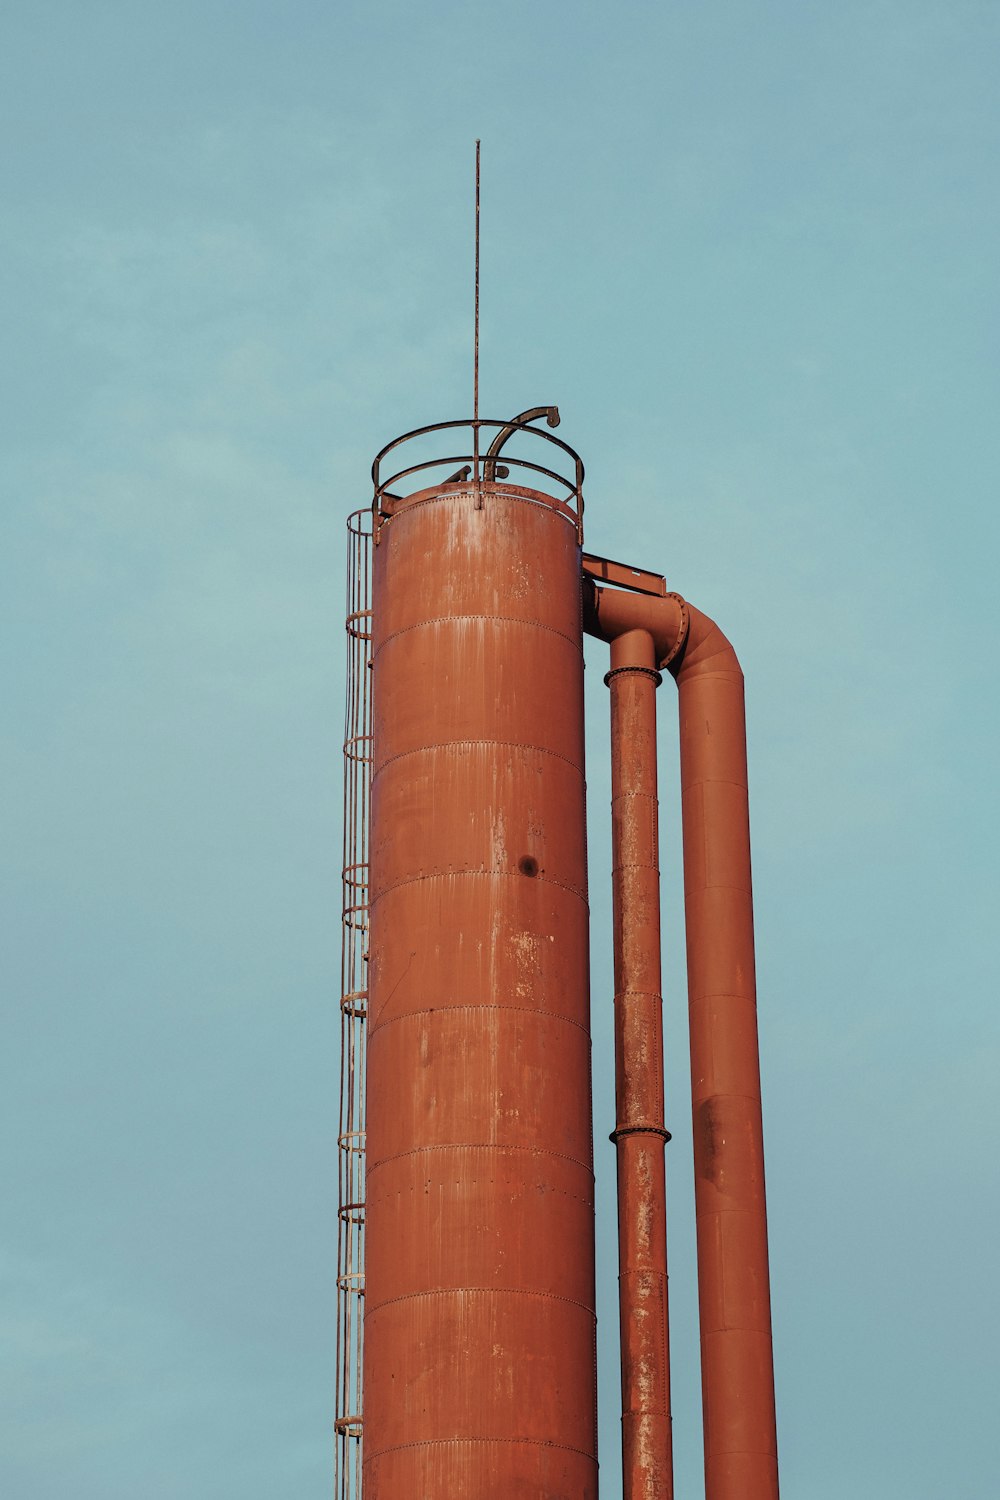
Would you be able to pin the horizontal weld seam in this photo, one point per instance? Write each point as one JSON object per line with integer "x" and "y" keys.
{"x": 741, "y": 1328}
{"x": 718, "y": 885}
{"x": 771, "y": 1453}
{"x": 373, "y": 1203}
{"x": 384, "y": 1161}
{"x": 724, "y": 995}
{"x": 456, "y": 619}
{"x": 454, "y": 1441}
{"x": 712, "y": 1212}
{"x": 720, "y": 1094}
{"x": 493, "y": 875}
{"x": 433, "y": 1010}
{"x": 484, "y": 1291}
{"x": 688, "y": 784}
{"x": 453, "y": 744}
{"x": 623, "y": 995}
{"x": 716, "y": 674}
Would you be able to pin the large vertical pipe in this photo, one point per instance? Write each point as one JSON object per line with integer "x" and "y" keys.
{"x": 737, "y": 1366}
{"x": 479, "y": 1356}
{"x": 647, "y": 1459}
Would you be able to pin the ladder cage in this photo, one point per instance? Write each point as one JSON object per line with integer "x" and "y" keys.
{"x": 353, "y": 1012}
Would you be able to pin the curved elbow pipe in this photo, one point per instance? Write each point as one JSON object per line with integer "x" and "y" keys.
{"x": 493, "y": 470}
{"x": 687, "y": 643}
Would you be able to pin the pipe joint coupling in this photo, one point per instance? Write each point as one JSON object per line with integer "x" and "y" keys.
{"x": 624, "y": 1130}
{"x": 643, "y": 671}
{"x": 681, "y": 639}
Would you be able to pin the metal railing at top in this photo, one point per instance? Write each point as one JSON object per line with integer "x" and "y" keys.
{"x": 353, "y": 1014}
{"x": 475, "y": 465}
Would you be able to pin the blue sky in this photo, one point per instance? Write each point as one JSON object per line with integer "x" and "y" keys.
{"x": 750, "y": 251}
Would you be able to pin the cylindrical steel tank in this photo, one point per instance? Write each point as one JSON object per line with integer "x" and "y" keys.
{"x": 479, "y": 1378}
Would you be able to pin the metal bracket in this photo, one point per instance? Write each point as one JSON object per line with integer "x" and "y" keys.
{"x": 623, "y": 575}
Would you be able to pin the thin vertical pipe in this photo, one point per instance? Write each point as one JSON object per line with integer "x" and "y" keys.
{"x": 639, "y": 1135}
{"x": 475, "y": 359}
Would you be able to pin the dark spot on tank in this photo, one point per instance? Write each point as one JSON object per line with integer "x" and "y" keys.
{"x": 527, "y": 865}
{"x": 708, "y": 1139}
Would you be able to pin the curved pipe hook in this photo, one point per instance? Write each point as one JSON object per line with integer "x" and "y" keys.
{"x": 493, "y": 470}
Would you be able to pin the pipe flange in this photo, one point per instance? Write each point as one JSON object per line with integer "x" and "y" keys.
{"x": 643, "y": 671}
{"x": 682, "y": 634}
{"x": 623, "y": 1130}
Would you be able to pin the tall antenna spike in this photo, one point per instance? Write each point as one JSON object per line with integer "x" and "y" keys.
{"x": 475, "y": 358}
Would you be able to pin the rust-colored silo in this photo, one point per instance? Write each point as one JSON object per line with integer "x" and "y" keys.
{"x": 467, "y": 1220}
{"x": 479, "y": 1318}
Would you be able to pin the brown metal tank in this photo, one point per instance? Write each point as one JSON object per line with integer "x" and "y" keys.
{"x": 479, "y": 1359}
